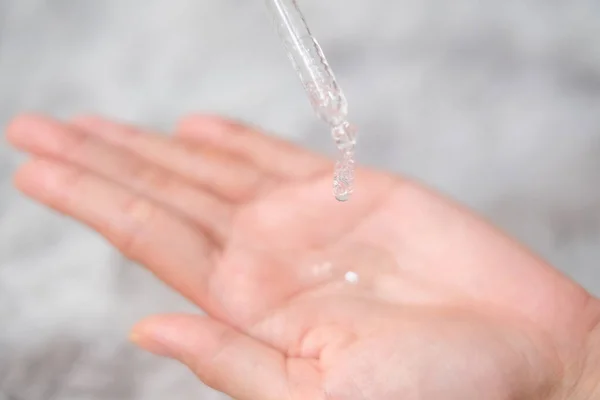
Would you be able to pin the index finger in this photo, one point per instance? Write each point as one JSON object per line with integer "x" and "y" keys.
{"x": 143, "y": 231}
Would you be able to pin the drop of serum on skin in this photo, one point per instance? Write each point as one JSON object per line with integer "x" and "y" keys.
{"x": 352, "y": 265}
{"x": 352, "y": 277}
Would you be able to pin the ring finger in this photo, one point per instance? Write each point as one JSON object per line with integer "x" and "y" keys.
{"x": 50, "y": 138}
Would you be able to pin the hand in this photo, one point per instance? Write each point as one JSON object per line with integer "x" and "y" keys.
{"x": 396, "y": 294}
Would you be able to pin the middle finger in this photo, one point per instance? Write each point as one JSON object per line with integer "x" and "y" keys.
{"x": 227, "y": 176}
{"x": 50, "y": 138}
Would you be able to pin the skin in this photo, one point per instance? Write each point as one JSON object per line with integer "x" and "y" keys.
{"x": 244, "y": 225}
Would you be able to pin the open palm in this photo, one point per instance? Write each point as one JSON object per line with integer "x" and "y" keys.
{"x": 397, "y": 294}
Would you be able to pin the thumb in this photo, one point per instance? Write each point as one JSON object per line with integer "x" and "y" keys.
{"x": 223, "y": 358}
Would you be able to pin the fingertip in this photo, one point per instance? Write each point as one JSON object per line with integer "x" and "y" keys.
{"x": 143, "y": 335}
{"x": 154, "y": 325}
{"x": 167, "y": 335}
{"x": 221, "y": 357}
{"x": 31, "y": 178}
{"x": 22, "y": 128}
{"x": 21, "y": 178}
{"x": 146, "y": 326}
{"x": 30, "y": 169}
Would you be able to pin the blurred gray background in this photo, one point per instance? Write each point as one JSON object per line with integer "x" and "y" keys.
{"x": 493, "y": 102}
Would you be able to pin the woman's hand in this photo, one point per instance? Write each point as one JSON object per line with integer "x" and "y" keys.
{"x": 396, "y": 294}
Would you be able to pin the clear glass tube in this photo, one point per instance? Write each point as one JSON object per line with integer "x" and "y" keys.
{"x": 318, "y": 80}
{"x": 310, "y": 63}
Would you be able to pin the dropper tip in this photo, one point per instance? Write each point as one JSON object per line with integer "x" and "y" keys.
{"x": 343, "y": 197}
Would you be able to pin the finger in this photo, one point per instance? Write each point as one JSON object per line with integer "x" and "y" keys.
{"x": 50, "y": 138}
{"x": 220, "y": 173}
{"x": 227, "y": 360}
{"x": 276, "y": 156}
{"x": 141, "y": 230}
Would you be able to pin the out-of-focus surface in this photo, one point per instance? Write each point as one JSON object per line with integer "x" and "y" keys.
{"x": 494, "y": 102}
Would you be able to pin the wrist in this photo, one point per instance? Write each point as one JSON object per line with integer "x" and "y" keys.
{"x": 590, "y": 380}
{"x": 587, "y": 384}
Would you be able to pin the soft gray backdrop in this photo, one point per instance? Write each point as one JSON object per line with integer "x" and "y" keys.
{"x": 494, "y": 102}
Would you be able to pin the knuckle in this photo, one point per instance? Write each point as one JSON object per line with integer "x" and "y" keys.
{"x": 183, "y": 149}
{"x": 140, "y": 214}
{"x": 211, "y": 368}
{"x": 187, "y": 154}
{"x": 67, "y": 187}
{"x": 152, "y": 178}
{"x": 73, "y": 145}
{"x": 155, "y": 178}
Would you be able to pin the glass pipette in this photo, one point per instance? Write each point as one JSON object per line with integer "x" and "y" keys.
{"x": 325, "y": 95}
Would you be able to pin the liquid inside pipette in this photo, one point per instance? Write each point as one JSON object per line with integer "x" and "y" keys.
{"x": 325, "y": 95}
